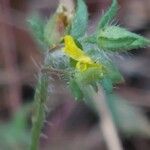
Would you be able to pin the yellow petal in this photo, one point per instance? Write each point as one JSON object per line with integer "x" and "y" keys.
{"x": 83, "y": 61}
{"x": 73, "y": 51}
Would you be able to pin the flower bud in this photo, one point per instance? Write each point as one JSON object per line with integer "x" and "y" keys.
{"x": 114, "y": 38}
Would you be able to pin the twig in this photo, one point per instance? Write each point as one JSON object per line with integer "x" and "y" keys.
{"x": 107, "y": 126}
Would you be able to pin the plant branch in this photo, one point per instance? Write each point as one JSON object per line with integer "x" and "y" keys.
{"x": 40, "y": 99}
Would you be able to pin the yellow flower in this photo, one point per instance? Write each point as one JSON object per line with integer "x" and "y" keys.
{"x": 73, "y": 51}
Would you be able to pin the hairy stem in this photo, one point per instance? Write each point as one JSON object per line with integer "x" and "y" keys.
{"x": 40, "y": 99}
{"x": 42, "y": 91}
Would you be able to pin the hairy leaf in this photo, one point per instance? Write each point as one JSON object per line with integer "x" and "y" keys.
{"x": 51, "y": 33}
{"x": 114, "y": 74}
{"x": 109, "y": 15}
{"x": 90, "y": 39}
{"x": 79, "y": 22}
{"x": 75, "y": 89}
{"x": 113, "y": 38}
{"x": 128, "y": 118}
{"x": 37, "y": 25}
{"x": 100, "y": 56}
{"x": 106, "y": 83}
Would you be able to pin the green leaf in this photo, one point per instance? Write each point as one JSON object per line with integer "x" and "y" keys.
{"x": 107, "y": 85}
{"x": 51, "y": 33}
{"x": 109, "y": 15}
{"x": 75, "y": 89}
{"x": 88, "y": 92}
{"x": 90, "y": 39}
{"x": 14, "y": 134}
{"x": 100, "y": 56}
{"x": 37, "y": 24}
{"x": 129, "y": 119}
{"x": 81, "y": 92}
{"x": 114, "y": 74}
{"x": 114, "y": 38}
{"x": 80, "y": 20}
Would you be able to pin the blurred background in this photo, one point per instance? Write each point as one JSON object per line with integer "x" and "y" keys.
{"x": 69, "y": 125}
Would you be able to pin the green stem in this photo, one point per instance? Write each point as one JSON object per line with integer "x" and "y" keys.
{"x": 40, "y": 99}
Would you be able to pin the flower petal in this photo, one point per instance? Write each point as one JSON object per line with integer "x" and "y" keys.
{"x": 73, "y": 51}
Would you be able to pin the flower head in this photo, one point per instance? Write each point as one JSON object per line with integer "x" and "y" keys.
{"x": 73, "y": 51}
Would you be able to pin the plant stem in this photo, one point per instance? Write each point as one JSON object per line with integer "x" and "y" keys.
{"x": 107, "y": 125}
{"x": 40, "y": 99}
{"x": 42, "y": 91}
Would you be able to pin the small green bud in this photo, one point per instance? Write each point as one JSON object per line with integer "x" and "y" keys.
{"x": 114, "y": 38}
